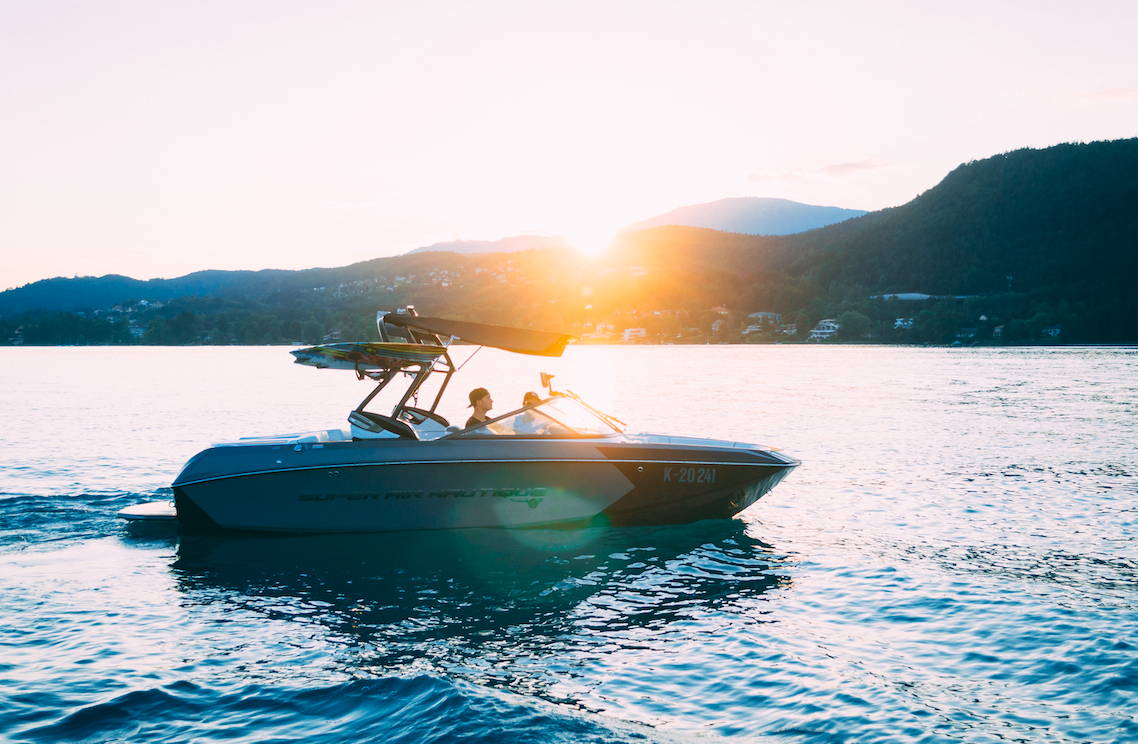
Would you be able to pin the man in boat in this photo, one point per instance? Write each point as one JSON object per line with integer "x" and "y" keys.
{"x": 481, "y": 402}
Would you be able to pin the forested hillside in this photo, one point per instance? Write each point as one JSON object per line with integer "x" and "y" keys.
{"x": 1047, "y": 236}
{"x": 1059, "y": 224}
{"x": 1029, "y": 246}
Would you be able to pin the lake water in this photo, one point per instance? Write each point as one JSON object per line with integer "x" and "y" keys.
{"x": 955, "y": 560}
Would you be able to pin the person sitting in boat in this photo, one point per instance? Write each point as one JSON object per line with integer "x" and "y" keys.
{"x": 527, "y": 422}
{"x": 481, "y": 402}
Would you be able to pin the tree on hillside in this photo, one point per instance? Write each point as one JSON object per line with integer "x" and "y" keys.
{"x": 854, "y": 326}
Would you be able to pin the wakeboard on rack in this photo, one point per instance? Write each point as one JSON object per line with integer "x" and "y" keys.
{"x": 367, "y": 355}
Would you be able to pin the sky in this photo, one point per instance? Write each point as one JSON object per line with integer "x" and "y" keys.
{"x": 154, "y": 139}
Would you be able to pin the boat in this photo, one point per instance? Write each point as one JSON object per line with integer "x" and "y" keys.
{"x": 554, "y": 463}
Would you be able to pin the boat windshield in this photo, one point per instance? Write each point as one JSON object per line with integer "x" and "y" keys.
{"x": 556, "y": 417}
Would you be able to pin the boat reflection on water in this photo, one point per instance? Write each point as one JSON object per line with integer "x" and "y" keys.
{"x": 485, "y": 603}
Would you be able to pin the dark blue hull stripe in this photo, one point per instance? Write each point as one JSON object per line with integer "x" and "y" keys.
{"x": 339, "y": 466}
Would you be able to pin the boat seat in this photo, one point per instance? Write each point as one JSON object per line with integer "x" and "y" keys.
{"x": 368, "y": 425}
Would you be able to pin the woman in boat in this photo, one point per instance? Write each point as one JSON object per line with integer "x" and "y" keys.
{"x": 527, "y": 422}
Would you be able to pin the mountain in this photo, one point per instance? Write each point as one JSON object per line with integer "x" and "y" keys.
{"x": 1027, "y": 246}
{"x": 502, "y": 245}
{"x": 752, "y": 215}
{"x": 1048, "y": 235}
{"x": 1061, "y": 220}
{"x": 86, "y": 292}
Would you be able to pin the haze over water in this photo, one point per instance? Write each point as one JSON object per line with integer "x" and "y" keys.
{"x": 954, "y": 561}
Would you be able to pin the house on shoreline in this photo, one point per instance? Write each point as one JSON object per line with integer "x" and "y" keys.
{"x": 824, "y": 330}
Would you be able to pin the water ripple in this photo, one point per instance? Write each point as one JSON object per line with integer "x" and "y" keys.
{"x": 416, "y": 709}
{"x": 955, "y": 561}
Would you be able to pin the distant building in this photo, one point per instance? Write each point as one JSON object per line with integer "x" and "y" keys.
{"x": 920, "y": 297}
{"x": 600, "y": 332}
{"x": 720, "y": 309}
{"x": 765, "y": 319}
{"x": 1052, "y": 331}
{"x": 905, "y": 296}
{"x": 790, "y": 329}
{"x": 824, "y": 330}
{"x": 903, "y": 323}
{"x": 998, "y": 332}
{"x": 760, "y": 322}
{"x": 966, "y": 334}
{"x": 634, "y": 334}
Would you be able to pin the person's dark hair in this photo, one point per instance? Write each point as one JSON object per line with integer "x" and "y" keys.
{"x": 476, "y": 395}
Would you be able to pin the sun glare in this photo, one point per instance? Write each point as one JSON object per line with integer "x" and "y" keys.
{"x": 591, "y": 243}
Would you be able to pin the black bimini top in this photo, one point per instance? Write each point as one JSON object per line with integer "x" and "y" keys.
{"x": 518, "y": 340}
